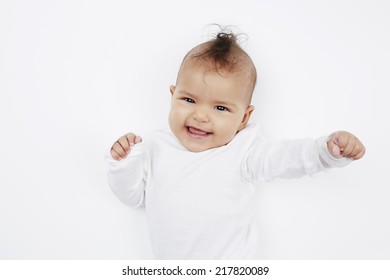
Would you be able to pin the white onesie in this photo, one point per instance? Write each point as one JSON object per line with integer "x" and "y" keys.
{"x": 199, "y": 205}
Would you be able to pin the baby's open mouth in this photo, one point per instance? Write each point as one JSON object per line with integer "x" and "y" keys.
{"x": 197, "y": 132}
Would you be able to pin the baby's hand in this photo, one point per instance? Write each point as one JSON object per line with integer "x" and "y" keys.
{"x": 345, "y": 144}
{"x": 122, "y": 147}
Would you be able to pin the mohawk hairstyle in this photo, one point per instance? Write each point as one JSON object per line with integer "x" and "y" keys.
{"x": 221, "y": 52}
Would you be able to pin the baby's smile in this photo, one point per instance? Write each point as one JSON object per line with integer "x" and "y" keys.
{"x": 197, "y": 133}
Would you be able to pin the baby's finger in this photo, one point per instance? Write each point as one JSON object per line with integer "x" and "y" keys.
{"x": 138, "y": 139}
{"x": 350, "y": 148}
{"x": 130, "y": 138}
{"x": 125, "y": 144}
{"x": 341, "y": 139}
{"x": 118, "y": 150}
{"x": 114, "y": 154}
{"x": 360, "y": 154}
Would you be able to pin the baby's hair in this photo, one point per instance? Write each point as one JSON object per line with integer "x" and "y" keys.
{"x": 220, "y": 52}
{"x": 223, "y": 54}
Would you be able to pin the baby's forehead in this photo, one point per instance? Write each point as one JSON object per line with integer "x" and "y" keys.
{"x": 241, "y": 74}
{"x": 203, "y": 74}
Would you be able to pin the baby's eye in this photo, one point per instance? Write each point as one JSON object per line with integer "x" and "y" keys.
{"x": 188, "y": 100}
{"x": 221, "y": 108}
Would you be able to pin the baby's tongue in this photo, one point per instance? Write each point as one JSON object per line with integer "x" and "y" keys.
{"x": 197, "y": 131}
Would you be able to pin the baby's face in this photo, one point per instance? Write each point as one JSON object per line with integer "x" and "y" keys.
{"x": 207, "y": 110}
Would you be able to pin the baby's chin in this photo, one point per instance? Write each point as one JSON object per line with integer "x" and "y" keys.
{"x": 194, "y": 146}
{"x": 198, "y": 147}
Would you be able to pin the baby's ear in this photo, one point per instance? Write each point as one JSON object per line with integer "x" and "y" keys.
{"x": 246, "y": 117}
{"x": 172, "y": 89}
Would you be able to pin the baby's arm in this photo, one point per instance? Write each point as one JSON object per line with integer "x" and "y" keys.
{"x": 296, "y": 158}
{"x": 126, "y": 170}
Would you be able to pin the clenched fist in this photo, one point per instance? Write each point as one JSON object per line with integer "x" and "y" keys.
{"x": 122, "y": 147}
{"x": 345, "y": 144}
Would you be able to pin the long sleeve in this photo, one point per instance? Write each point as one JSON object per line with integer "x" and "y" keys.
{"x": 127, "y": 177}
{"x": 289, "y": 159}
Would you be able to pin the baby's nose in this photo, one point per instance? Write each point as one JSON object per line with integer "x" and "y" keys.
{"x": 201, "y": 115}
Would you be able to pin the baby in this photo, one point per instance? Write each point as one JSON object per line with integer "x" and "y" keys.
{"x": 196, "y": 180}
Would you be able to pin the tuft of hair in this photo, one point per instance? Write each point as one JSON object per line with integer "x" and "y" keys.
{"x": 222, "y": 52}
{"x": 219, "y": 51}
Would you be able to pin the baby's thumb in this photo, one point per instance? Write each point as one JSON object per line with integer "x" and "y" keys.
{"x": 334, "y": 148}
{"x": 336, "y": 152}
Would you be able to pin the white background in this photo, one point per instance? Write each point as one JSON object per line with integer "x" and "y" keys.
{"x": 76, "y": 75}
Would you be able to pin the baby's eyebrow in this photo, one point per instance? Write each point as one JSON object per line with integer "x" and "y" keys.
{"x": 186, "y": 93}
